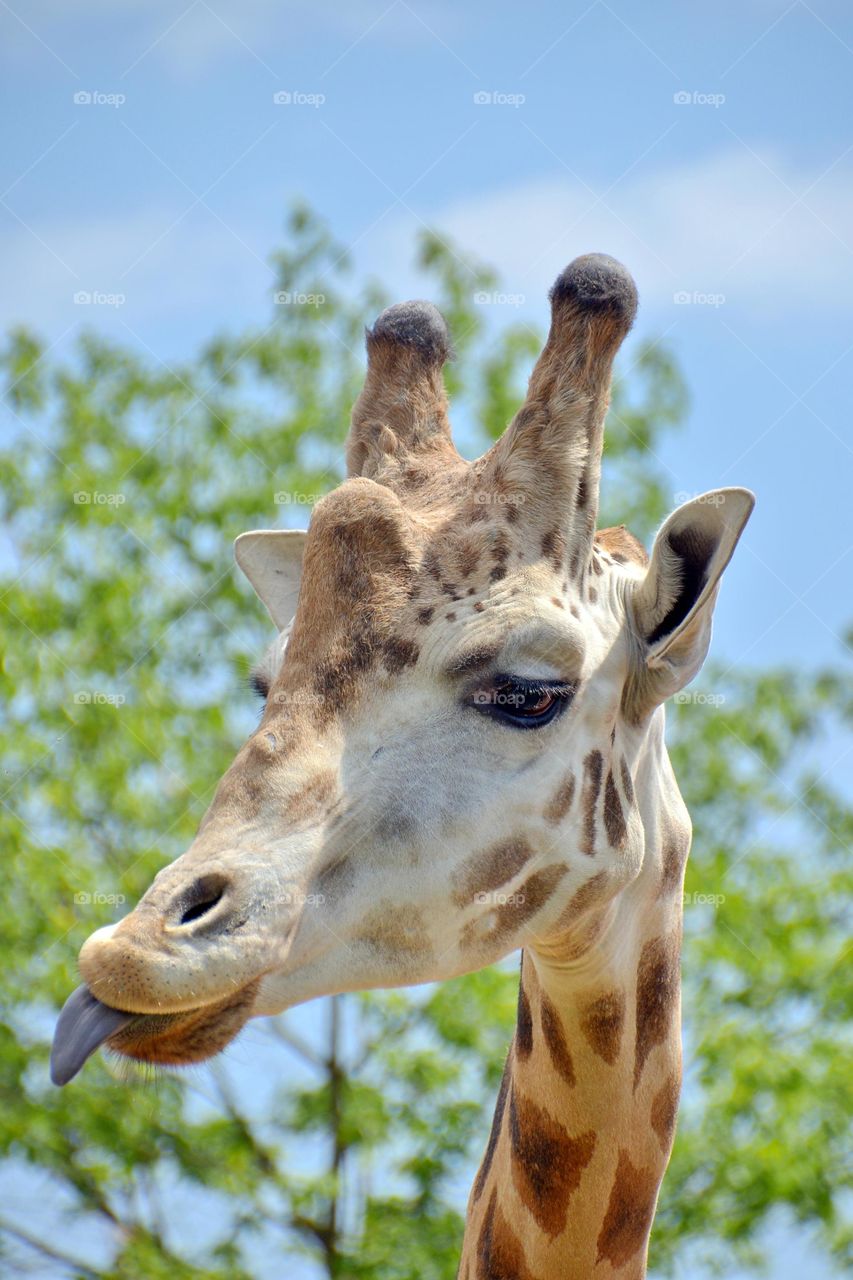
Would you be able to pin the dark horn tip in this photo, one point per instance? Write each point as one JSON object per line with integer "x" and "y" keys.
{"x": 414, "y": 324}
{"x": 597, "y": 282}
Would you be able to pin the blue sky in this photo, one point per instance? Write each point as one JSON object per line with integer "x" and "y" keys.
{"x": 709, "y": 147}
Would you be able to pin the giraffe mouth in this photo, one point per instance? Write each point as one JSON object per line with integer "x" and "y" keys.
{"x": 166, "y": 1039}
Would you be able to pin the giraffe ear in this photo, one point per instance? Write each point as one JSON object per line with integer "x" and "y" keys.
{"x": 674, "y": 604}
{"x": 272, "y": 561}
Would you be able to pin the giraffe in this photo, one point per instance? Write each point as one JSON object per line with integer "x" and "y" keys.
{"x": 461, "y": 754}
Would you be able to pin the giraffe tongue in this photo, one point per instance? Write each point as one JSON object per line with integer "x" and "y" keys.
{"x": 84, "y": 1024}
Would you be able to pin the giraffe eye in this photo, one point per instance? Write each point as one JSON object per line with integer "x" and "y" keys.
{"x": 525, "y": 704}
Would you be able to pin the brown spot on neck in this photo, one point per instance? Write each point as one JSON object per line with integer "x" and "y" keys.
{"x": 523, "y": 1023}
{"x": 658, "y": 985}
{"x": 555, "y": 1038}
{"x": 602, "y": 1021}
{"x": 674, "y": 850}
{"x": 665, "y": 1110}
{"x": 499, "y": 1253}
{"x": 547, "y": 1163}
{"x": 630, "y": 1209}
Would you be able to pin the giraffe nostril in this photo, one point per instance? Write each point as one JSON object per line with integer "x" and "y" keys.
{"x": 201, "y": 898}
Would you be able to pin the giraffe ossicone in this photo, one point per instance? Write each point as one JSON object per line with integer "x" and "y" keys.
{"x": 461, "y": 754}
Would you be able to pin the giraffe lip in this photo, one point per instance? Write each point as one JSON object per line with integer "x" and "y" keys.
{"x": 84, "y": 1024}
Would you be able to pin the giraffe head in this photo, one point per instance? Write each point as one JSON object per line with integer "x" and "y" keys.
{"x": 464, "y": 685}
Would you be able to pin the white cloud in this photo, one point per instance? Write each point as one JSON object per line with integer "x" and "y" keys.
{"x": 162, "y": 272}
{"x": 728, "y": 223}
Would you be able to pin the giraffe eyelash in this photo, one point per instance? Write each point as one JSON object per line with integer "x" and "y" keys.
{"x": 259, "y": 684}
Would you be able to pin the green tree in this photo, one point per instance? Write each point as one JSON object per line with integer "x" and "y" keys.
{"x": 126, "y": 638}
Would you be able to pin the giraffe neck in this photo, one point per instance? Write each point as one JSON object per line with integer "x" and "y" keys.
{"x": 586, "y": 1112}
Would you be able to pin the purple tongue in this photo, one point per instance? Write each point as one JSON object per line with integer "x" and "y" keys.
{"x": 83, "y": 1025}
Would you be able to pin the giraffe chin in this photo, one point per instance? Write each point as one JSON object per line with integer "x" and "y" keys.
{"x": 164, "y": 1039}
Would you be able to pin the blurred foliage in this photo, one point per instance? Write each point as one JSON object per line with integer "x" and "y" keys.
{"x": 126, "y": 638}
